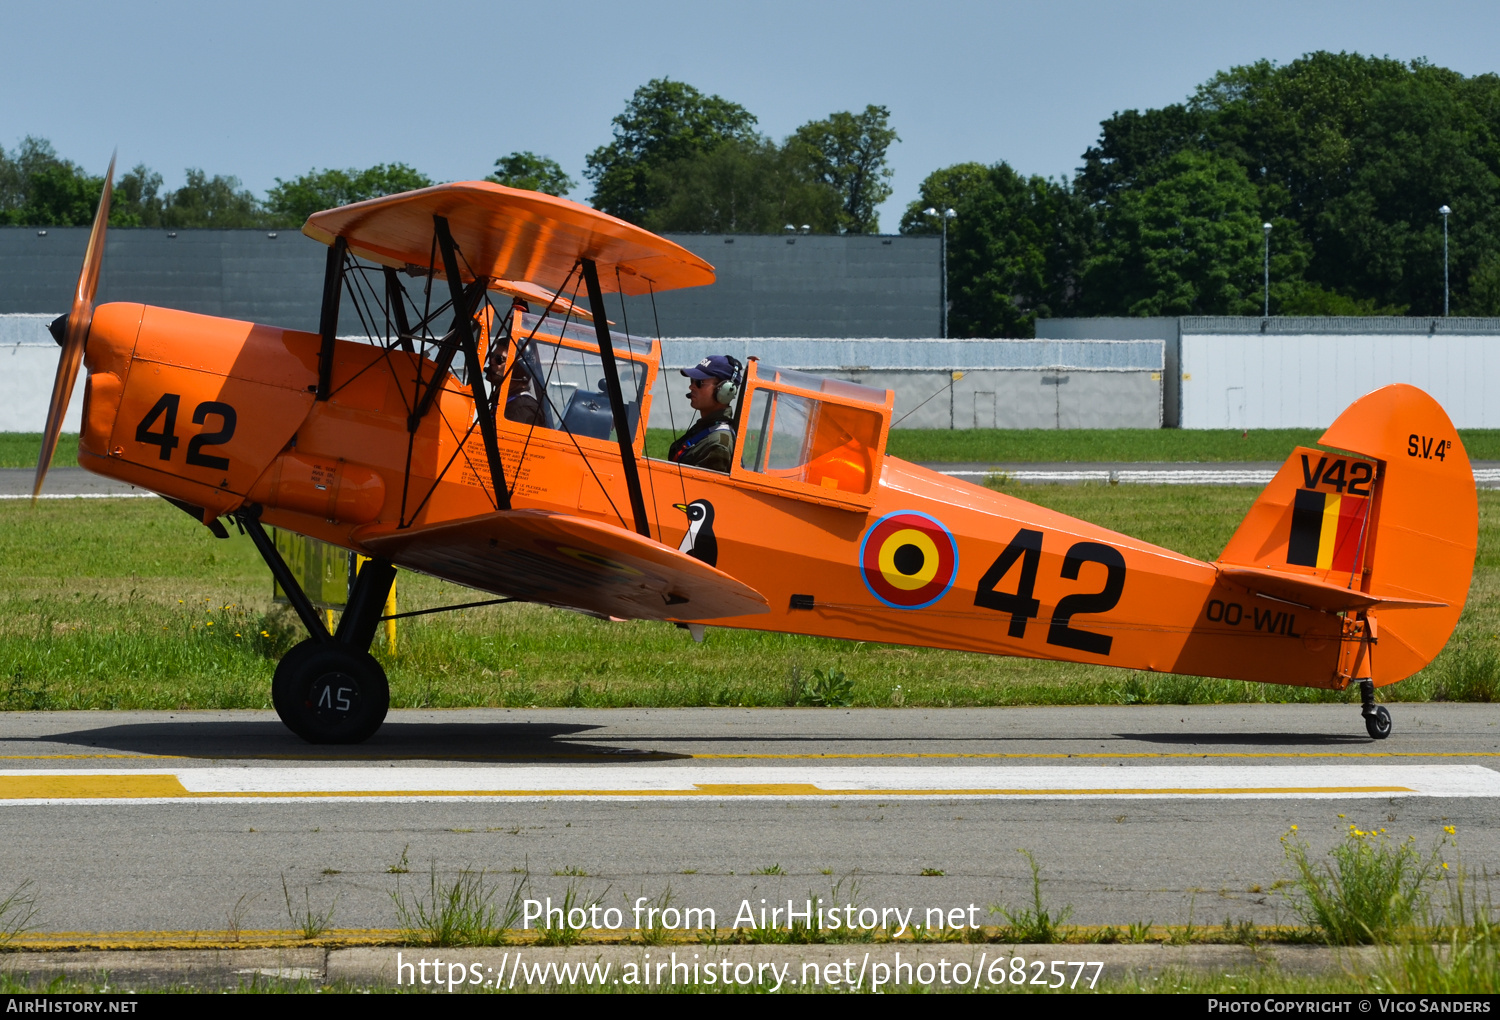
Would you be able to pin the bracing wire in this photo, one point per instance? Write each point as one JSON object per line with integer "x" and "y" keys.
{"x": 671, "y": 418}
{"x": 641, "y": 423}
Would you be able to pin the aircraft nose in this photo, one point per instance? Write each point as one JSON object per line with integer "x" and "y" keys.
{"x": 112, "y": 337}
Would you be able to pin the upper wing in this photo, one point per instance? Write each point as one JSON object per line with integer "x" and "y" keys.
{"x": 570, "y": 562}
{"x": 508, "y": 234}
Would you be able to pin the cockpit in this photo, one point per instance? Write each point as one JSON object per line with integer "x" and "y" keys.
{"x": 796, "y": 434}
{"x": 552, "y": 376}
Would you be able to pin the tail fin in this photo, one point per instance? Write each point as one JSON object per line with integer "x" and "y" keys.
{"x": 1390, "y": 532}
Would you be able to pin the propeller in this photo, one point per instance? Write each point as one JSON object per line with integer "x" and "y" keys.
{"x": 75, "y": 332}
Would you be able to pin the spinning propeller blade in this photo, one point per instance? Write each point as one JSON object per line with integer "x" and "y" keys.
{"x": 76, "y": 333}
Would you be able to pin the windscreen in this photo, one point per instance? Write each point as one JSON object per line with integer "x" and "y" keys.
{"x": 815, "y": 442}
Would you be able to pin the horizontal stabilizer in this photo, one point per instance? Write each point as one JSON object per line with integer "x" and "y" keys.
{"x": 1313, "y": 593}
{"x": 568, "y": 562}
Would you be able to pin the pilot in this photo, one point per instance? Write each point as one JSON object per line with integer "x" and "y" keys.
{"x": 712, "y": 386}
{"x": 521, "y": 404}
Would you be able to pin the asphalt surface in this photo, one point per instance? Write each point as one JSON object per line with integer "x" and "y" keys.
{"x": 204, "y": 821}
{"x": 1134, "y": 813}
{"x": 64, "y": 482}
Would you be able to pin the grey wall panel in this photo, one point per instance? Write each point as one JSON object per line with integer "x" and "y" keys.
{"x": 816, "y": 286}
{"x": 821, "y": 286}
{"x": 1164, "y": 328}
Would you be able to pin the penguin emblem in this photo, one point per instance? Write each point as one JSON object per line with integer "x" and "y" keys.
{"x": 699, "y": 542}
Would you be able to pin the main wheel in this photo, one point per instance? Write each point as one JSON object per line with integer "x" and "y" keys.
{"x": 329, "y": 693}
{"x": 1378, "y": 723}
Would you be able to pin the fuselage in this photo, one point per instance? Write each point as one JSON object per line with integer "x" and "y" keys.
{"x": 219, "y": 414}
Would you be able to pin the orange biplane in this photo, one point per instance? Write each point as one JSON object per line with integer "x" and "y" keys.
{"x": 1352, "y": 565}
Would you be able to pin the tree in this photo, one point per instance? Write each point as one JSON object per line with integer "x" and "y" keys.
{"x": 531, "y": 172}
{"x": 748, "y": 186}
{"x": 1186, "y": 241}
{"x": 1131, "y": 144}
{"x": 292, "y": 202}
{"x": 847, "y": 151}
{"x": 1015, "y": 247}
{"x": 216, "y": 202}
{"x": 944, "y": 189}
{"x": 137, "y": 201}
{"x": 664, "y": 122}
{"x": 40, "y": 189}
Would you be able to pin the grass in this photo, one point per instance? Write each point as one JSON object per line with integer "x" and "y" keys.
{"x": 17, "y": 911}
{"x": 1037, "y": 924}
{"x": 1001, "y": 446}
{"x": 1372, "y": 888}
{"x": 134, "y": 606}
{"x": 458, "y": 913}
{"x": 311, "y": 923}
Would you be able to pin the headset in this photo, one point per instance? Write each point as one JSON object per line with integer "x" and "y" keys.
{"x": 729, "y": 388}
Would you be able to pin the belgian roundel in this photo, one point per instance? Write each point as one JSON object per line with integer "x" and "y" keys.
{"x": 908, "y": 560}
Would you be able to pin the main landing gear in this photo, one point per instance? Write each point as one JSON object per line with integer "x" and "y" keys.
{"x": 329, "y": 689}
{"x": 1377, "y": 719}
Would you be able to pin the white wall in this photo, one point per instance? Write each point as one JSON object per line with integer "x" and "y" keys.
{"x": 28, "y": 364}
{"x": 1254, "y": 381}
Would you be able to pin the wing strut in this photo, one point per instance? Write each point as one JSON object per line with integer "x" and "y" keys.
{"x": 616, "y": 399}
{"x": 463, "y": 330}
{"x": 395, "y": 298}
{"x": 328, "y": 322}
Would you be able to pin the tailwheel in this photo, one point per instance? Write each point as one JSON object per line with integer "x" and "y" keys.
{"x": 330, "y": 693}
{"x": 1377, "y": 719}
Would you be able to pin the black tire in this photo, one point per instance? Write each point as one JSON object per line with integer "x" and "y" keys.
{"x": 1378, "y": 723}
{"x": 329, "y": 693}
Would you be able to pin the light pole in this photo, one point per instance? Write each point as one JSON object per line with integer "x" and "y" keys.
{"x": 1267, "y": 228}
{"x": 1444, "y": 211}
{"x": 947, "y": 214}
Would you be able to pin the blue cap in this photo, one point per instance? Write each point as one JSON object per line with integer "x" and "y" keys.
{"x": 715, "y": 366}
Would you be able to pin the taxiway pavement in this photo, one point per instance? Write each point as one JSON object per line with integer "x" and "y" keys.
{"x": 192, "y": 821}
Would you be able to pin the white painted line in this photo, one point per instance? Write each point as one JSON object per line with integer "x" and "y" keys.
{"x": 572, "y": 782}
{"x": 1143, "y": 477}
{"x": 1483, "y": 477}
{"x": 83, "y": 495}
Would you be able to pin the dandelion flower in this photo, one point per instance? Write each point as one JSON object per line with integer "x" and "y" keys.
{"x": 1294, "y": 828}
{"x": 1449, "y": 829}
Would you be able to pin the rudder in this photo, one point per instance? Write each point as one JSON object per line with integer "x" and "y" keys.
{"x": 1399, "y": 522}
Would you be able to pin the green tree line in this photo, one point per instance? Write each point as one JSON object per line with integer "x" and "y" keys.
{"x": 1347, "y": 157}
{"x": 679, "y": 160}
{"x": 38, "y": 188}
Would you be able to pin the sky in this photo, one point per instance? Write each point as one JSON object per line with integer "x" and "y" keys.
{"x": 272, "y": 89}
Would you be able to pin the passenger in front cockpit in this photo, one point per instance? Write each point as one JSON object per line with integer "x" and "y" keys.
{"x": 521, "y": 404}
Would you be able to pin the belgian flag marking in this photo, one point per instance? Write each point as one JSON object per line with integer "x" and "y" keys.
{"x": 1327, "y": 530}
